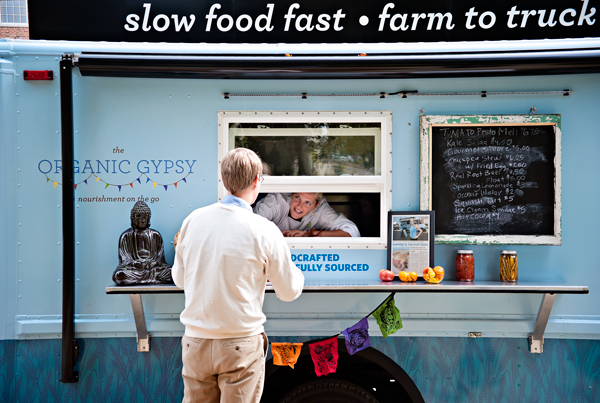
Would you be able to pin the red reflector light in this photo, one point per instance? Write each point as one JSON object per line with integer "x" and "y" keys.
{"x": 38, "y": 75}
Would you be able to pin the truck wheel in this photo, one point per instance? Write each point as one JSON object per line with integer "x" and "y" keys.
{"x": 329, "y": 391}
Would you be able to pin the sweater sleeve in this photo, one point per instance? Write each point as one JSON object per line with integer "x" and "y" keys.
{"x": 286, "y": 277}
{"x": 268, "y": 207}
{"x": 345, "y": 224}
{"x": 178, "y": 270}
{"x": 330, "y": 219}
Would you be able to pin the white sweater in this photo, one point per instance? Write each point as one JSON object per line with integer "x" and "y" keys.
{"x": 224, "y": 256}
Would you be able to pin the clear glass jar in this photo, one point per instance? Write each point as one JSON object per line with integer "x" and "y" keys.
{"x": 509, "y": 265}
{"x": 465, "y": 265}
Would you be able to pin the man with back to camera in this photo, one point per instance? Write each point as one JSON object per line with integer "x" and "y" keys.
{"x": 224, "y": 255}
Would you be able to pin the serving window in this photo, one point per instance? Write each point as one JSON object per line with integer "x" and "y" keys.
{"x": 344, "y": 155}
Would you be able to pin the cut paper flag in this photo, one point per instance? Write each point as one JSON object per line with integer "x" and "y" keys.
{"x": 357, "y": 336}
{"x": 388, "y": 317}
{"x": 325, "y": 356}
{"x": 285, "y": 353}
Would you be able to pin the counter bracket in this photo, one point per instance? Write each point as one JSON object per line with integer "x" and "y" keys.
{"x": 143, "y": 338}
{"x": 536, "y": 339}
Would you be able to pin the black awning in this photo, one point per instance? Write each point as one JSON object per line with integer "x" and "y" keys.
{"x": 340, "y": 66}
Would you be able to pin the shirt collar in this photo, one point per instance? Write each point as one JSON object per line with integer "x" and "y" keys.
{"x": 236, "y": 201}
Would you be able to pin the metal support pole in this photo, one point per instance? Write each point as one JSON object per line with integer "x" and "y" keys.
{"x": 536, "y": 339}
{"x": 69, "y": 345}
{"x": 143, "y": 338}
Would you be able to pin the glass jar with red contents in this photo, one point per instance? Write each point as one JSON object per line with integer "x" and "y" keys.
{"x": 465, "y": 265}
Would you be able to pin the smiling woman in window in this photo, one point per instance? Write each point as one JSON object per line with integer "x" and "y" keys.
{"x": 305, "y": 214}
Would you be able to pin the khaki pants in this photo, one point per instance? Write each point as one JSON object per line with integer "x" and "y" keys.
{"x": 223, "y": 370}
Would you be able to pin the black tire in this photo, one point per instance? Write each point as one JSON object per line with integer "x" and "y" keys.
{"x": 329, "y": 391}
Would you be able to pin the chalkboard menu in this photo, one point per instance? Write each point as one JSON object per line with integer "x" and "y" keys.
{"x": 492, "y": 179}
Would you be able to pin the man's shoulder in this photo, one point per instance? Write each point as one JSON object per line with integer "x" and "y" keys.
{"x": 259, "y": 225}
{"x": 257, "y": 219}
{"x": 199, "y": 211}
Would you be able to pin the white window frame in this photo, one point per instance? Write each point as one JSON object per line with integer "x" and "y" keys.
{"x": 381, "y": 184}
{"x": 16, "y": 24}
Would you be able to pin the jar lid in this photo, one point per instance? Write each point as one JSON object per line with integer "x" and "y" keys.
{"x": 464, "y": 251}
{"x": 509, "y": 252}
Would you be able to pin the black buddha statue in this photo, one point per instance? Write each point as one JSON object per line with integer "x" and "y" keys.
{"x": 141, "y": 252}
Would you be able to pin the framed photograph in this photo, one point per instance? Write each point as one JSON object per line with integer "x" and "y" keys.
{"x": 410, "y": 241}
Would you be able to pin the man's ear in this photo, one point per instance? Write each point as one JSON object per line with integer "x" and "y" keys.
{"x": 317, "y": 204}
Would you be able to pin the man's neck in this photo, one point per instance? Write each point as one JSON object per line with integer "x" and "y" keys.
{"x": 247, "y": 196}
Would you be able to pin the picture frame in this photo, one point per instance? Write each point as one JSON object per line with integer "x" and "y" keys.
{"x": 411, "y": 237}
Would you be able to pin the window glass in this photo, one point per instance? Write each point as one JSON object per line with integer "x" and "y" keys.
{"x": 312, "y": 149}
{"x": 13, "y": 11}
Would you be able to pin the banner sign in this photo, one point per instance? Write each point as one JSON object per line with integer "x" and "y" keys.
{"x": 310, "y": 21}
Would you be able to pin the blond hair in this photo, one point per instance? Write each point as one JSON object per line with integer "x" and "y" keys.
{"x": 239, "y": 168}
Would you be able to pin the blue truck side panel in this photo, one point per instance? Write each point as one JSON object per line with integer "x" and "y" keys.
{"x": 159, "y": 122}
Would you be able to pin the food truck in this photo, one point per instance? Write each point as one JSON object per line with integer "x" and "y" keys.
{"x": 476, "y": 122}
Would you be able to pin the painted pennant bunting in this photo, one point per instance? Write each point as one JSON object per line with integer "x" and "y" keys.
{"x": 285, "y": 353}
{"x": 325, "y": 356}
{"x": 357, "y": 336}
{"x": 388, "y": 317}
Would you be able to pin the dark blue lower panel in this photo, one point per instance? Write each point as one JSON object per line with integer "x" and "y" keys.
{"x": 110, "y": 370}
{"x": 444, "y": 370}
{"x": 498, "y": 370}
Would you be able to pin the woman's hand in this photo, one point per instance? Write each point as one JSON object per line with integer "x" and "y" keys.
{"x": 294, "y": 233}
{"x": 314, "y": 232}
{"x": 332, "y": 233}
